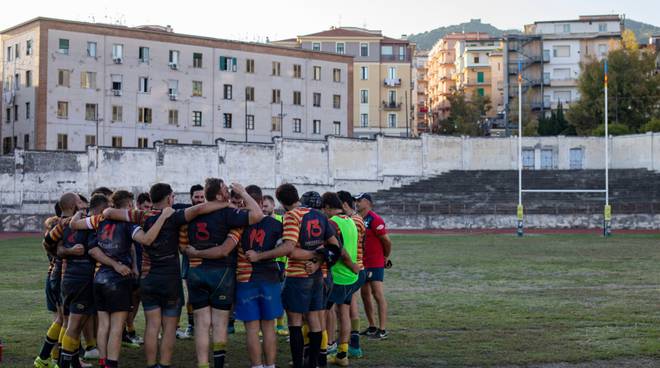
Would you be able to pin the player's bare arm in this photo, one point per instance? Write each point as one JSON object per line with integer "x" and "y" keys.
{"x": 213, "y": 253}
{"x": 286, "y": 249}
{"x": 76, "y": 250}
{"x": 148, "y": 238}
{"x": 102, "y": 258}
{"x": 386, "y": 243}
{"x": 204, "y": 208}
{"x": 256, "y": 214}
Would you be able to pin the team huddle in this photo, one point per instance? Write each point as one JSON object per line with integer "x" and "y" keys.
{"x": 239, "y": 260}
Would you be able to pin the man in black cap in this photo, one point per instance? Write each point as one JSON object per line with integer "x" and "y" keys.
{"x": 377, "y": 248}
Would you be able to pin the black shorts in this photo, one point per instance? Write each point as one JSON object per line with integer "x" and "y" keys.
{"x": 78, "y": 295}
{"x": 341, "y": 294}
{"x": 114, "y": 295}
{"x": 162, "y": 291}
{"x": 327, "y": 288}
{"x": 303, "y": 294}
{"x": 53, "y": 293}
{"x": 214, "y": 287}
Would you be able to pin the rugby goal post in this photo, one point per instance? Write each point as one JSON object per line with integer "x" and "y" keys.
{"x": 607, "y": 211}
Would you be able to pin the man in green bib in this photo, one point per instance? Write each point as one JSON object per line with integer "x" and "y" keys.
{"x": 344, "y": 273}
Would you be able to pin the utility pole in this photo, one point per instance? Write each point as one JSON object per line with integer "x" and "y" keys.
{"x": 407, "y": 115}
{"x": 281, "y": 118}
{"x": 246, "y": 121}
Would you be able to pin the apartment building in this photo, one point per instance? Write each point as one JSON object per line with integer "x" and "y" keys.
{"x": 67, "y": 85}
{"x": 420, "y": 61}
{"x": 382, "y": 82}
{"x": 473, "y": 69}
{"x": 445, "y": 67}
{"x": 551, "y": 53}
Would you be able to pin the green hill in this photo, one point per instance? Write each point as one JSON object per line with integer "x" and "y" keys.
{"x": 426, "y": 40}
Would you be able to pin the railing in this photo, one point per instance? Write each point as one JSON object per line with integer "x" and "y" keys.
{"x": 392, "y": 82}
{"x": 390, "y": 105}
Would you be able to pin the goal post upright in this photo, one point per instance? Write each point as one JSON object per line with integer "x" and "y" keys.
{"x": 520, "y": 212}
{"x": 607, "y": 211}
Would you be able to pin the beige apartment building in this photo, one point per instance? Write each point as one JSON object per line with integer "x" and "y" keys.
{"x": 475, "y": 70}
{"x": 382, "y": 81}
{"x": 67, "y": 85}
{"x": 420, "y": 62}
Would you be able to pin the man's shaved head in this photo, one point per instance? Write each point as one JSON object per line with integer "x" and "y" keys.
{"x": 69, "y": 202}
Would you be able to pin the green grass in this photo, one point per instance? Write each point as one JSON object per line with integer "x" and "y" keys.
{"x": 454, "y": 301}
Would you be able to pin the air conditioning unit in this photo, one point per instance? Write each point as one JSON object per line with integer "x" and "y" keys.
{"x": 172, "y": 97}
{"x": 117, "y": 60}
{"x": 174, "y": 66}
{"x": 116, "y": 92}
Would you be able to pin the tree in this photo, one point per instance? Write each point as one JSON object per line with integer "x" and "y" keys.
{"x": 556, "y": 124}
{"x": 629, "y": 40}
{"x": 465, "y": 114}
{"x": 634, "y": 92}
{"x": 530, "y": 121}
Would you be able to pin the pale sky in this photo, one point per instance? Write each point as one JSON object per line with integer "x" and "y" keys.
{"x": 250, "y": 20}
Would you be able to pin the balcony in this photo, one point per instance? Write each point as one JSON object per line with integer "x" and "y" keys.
{"x": 392, "y": 82}
{"x": 563, "y": 82}
{"x": 395, "y": 58}
{"x": 391, "y": 106}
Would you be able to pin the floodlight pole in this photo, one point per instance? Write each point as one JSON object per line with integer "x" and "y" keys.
{"x": 607, "y": 213}
{"x": 520, "y": 206}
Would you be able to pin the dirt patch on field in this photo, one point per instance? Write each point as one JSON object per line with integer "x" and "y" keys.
{"x": 12, "y": 235}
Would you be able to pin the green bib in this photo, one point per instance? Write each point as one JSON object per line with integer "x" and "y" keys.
{"x": 342, "y": 274}
{"x": 282, "y": 259}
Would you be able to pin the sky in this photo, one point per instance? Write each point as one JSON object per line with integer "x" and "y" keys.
{"x": 254, "y": 20}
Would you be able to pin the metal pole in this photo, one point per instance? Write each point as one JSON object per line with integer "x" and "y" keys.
{"x": 607, "y": 215}
{"x": 407, "y": 113}
{"x": 520, "y": 131}
{"x": 281, "y": 118}
{"x": 246, "y": 121}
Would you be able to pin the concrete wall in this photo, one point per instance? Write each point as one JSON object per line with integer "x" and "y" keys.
{"x": 31, "y": 181}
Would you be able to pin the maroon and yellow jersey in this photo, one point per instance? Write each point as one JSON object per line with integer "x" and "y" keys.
{"x": 362, "y": 230}
{"x": 308, "y": 229}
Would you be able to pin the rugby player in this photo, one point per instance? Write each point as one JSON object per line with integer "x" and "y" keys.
{"x": 306, "y": 234}
{"x": 160, "y": 282}
{"x": 268, "y": 207}
{"x": 377, "y": 248}
{"x": 212, "y": 274}
{"x": 113, "y": 282}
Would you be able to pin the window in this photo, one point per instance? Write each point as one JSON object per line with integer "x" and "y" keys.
{"x": 275, "y": 123}
{"x": 143, "y": 142}
{"x": 227, "y": 91}
{"x": 17, "y": 51}
{"x": 276, "y": 69}
{"x": 117, "y": 52}
{"x": 144, "y": 115}
{"x": 28, "y": 47}
{"x": 197, "y": 88}
{"x": 547, "y": 159}
{"x": 392, "y": 98}
{"x": 249, "y": 93}
{"x": 62, "y": 109}
{"x": 561, "y": 51}
{"x": 91, "y": 112}
{"x": 228, "y": 64}
{"x": 566, "y": 28}
{"x": 364, "y": 72}
{"x": 528, "y": 159}
{"x": 386, "y": 51}
{"x": 562, "y": 73}
{"x": 173, "y": 60}
{"x": 316, "y": 127}
{"x": 297, "y": 71}
{"x": 6, "y": 146}
{"x": 15, "y": 112}
{"x": 9, "y": 53}
{"x": 316, "y": 46}
{"x": 602, "y": 50}
{"x": 197, "y": 118}
{"x": 480, "y": 92}
{"x": 249, "y": 122}
{"x": 317, "y": 99}
{"x": 170, "y": 141}
{"x": 26, "y": 141}
{"x": 63, "y": 46}
{"x": 297, "y": 98}
{"x": 27, "y": 111}
{"x": 117, "y": 142}
{"x": 602, "y": 27}
{"x": 63, "y": 77}
{"x": 197, "y": 59}
{"x": 249, "y": 66}
{"x": 28, "y": 78}
{"x": 337, "y": 127}
{"x": 276, "y": 96}
{"x": 364, "y": 96}
{"x": 143, "y": 85}
{"x": 173, "y": 88}
{"x": 391, "y": 120}
{"x": 297, "y": 125}
{"x": 575, "y": 158}
{"x": 88, "y": 80}
{"x": 563, "y": 96}
{"x": 226, "y": 121}
{"x": 90, "y": 140}
{"x": 143, "y": 54}
{"x": 480, "y": 77}
{"x": 402, "y": 53}
{"x": 340, "y": 48}
{"x": 391, "y": 73}
{"x": 91, "y": 49}
{"x": 173, "y": 117}
{"x": 364, "y": 120}
{"x": 17, "y": 81}
{"x": 117, "y": 113}
{"x": 336, "y": 101}
{"x": 62, "y": 142}
{"x": 476, "y": 60}
{"x": 8, "y": 115}
{"x": 364, "y": 49}
{"x": 197, "y": 142}
{"x": 317, "y": 73}
{"x": 116, "y": 83}
{"x": 336, "y": 75}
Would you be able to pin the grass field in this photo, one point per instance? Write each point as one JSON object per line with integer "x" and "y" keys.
{"x": 488, "y": 300}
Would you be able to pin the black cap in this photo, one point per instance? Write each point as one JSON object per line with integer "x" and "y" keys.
{"x": 362, "y": 196}
{"x": 311, "y": 199}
